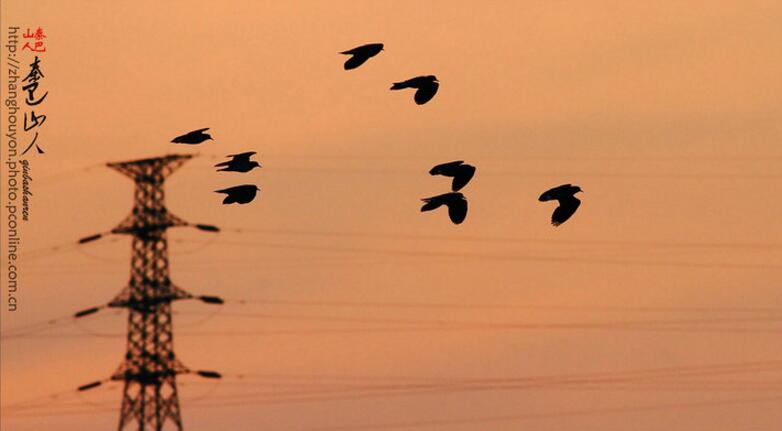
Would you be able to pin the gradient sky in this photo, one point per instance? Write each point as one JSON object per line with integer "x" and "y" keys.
{"x": 668, "y": 114}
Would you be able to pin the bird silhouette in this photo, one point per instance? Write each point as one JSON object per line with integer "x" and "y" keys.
{"x": 568, "y": 203}
{"x": 461, "y": 173}
{"x": 194, "y": 137}
{"x": 239, "y": 163}
{"x": 426, "y": 87}
{"x": 456, "y": 203}
{"x": 361, "y": 54}
{"x": 239, "y": 194}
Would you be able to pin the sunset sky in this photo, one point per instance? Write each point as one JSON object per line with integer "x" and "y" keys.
{"x": 657, "y": 306}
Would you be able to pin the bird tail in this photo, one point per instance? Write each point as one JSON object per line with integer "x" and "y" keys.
{"x": 228, "y": 198}
{"x": 431, "y": 204}
{"x": 351, "y": 51}
{"x": 398, "y": 86}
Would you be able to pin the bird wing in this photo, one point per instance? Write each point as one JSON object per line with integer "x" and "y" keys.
{"x": 361, "y": 54}
{"x": 353, "y": 51}
{"x": 457, "y": 210}
{"x": 567, "y": 207}
{"x": 443, "y": 168}
{"x": 230, "y": 195}
{"x": 355, "y": 61}
{"x": 186, "y": 138}
{"x": 246, "y": 155}
{"x": 417, "y": 82}
{"x": 555, "y": 193}
{"x": 242, "y": 193}
{"x": 426, "y": 92}
{"x": 464, "y": 174}
{"x": 244, "y": 188}
{"x": 368, "y": 50}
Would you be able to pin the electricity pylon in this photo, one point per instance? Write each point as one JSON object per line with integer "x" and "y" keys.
{"x": 150, "y": 401}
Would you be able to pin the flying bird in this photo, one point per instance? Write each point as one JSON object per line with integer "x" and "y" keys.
{"x": 568, "y": 203}
{"x": 239, "y": 163}
{"x": 361, "y": 54}
{"x": 461, "y": 173}
{"x": 194, "y": 137}
{"x": 239, "y": 194}
{"x": 457, "y": 205}
{"x": 426, "y": 87}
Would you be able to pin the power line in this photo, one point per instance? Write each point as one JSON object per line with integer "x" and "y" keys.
{"x": 320, "y": 387}
{"x": 506, "y": 256}
{"x": 696, "y": 325}
{"x": 453, "y": 238}
{"x": 555, "y": 414}
{"x": 451, "y": 305}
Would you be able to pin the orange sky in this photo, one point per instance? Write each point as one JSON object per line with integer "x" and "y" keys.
{"x": 666, "y": 113}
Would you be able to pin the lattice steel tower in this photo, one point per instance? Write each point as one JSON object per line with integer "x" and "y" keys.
{"x": 150, "y": 401}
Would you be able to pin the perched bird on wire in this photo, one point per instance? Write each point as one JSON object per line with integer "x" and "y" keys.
{"x": 194, "y": 137}
{"x": 426, "y": 87}
{"x": 239, "y": 194}
{"x": 568, "y": 203}
{"x": 361, "y": 54}
{"x": 239, "y": 163}
{"x": 456, "y": 203}
{"x": 462, "y": 173}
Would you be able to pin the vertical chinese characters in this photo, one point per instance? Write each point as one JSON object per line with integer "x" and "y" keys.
{"x": 33, "y": 121}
